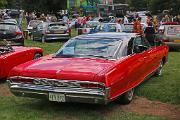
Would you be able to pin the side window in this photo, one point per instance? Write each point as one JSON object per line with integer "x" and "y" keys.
{"x": 140, "y": 44}
{"x": 136, "y": 45}
{"x": 138, "y": 41}
{"x": 130, "y": 47}
{"x": 145, "y": 42}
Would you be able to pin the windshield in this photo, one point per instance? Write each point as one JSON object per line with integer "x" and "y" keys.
{"x": 94, "y": 47}
{"x": 56, "y": 26}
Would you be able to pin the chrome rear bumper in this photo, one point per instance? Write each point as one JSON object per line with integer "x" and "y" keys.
{"x": 82, "y": 95}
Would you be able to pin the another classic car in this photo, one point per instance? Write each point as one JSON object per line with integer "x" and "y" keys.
{"x": 169, "y": 33}
{"x": 47, "y": 31}
{"x": 33, "y": 24}
{"x": 93, "y": 68}
{"x": 12, "y": 56}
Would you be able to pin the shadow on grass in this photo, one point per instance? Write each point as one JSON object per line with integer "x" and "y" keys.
{"x": 74, "y": 110}
{"x": 2, "y": 80}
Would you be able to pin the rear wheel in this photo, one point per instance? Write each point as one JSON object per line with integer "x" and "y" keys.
{"x": 37, "y": 55}
{"x": 127, "y": 97}
{"x": 159, "y": 70}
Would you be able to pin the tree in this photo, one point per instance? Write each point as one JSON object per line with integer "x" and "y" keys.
{"x": 44, "y": 5}
{"x": 3, "y": 3}
{"x": 160, "y": 5}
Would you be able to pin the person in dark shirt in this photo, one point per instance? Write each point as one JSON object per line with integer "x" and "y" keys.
{"x": 150, "y": 33}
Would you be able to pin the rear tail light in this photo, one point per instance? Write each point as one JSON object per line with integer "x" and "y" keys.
{"x": 21, "y": 80}
{"x": 68, "y": 31}
{"x": 19, "y": 33}
{"x": 92, "y": 85}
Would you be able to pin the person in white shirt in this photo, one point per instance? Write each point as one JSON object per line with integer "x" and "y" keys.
{"x": 118, "y": 26}
{"x": 126, "y": 20}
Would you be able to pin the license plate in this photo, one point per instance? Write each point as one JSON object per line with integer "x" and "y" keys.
{"x": 57, "y": 97}
{"x": 59, "y": 32}
{"x": 177, "y": 41}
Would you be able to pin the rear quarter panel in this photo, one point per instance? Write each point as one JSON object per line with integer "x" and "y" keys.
{"x": 125, "y": 75}
{"x": 130, "y": 72}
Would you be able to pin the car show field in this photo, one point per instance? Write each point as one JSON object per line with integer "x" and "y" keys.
{"x": 89, "y": 60}
{"x": 164, "y": 89}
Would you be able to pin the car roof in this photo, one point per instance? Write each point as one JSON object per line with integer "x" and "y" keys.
{"x": 109, "y": 35}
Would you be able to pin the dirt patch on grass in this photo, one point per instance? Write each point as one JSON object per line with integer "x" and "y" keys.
{"x": 4, "y": 90}
{"x": 142, "y": 105}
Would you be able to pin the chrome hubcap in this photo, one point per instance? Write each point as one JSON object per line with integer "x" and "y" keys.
{"x": 160, "y": 68}
{"x": 130, "y": 94}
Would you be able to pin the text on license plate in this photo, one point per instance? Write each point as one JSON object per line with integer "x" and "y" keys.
{"x": 57, "y": 97}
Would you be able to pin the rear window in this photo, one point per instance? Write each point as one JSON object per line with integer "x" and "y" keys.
{"x": 56, "y": 26}
{"x": 173, "y": 30}
{"x": 8, "y": 27}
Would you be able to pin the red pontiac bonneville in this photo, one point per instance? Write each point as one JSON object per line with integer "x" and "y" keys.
{"x": 93, "y": 68}
{"x": 11, "y": 56}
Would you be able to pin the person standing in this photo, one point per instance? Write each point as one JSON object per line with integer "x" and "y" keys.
{"x": 28, "y": 18}
{"x": 149, "y": 33}
{"x": 125, "y": 20}
{"x": 65, "y": 19}
{"x": 118, "y": 26}
{"x": 139, "y": 28}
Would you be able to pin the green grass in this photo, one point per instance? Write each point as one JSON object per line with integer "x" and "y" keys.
{"x": 165, "y": 88}
{"x": 48, "y": 47}
{"x": 14, "y": 108}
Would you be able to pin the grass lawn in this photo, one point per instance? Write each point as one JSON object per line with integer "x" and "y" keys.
{"x": 165, "y": 88}
{"x": 16, "y": 108}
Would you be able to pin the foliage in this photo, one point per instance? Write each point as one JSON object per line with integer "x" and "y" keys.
{"x": 44, "y": 5}
{"x": 3, "y": 3}
{"x": 55, "y": 5}
{"x": 160, "y": 5}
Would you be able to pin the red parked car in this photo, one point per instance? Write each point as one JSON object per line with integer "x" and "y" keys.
{"x": 12, "y": 56}
{"x": 93, "y": 68}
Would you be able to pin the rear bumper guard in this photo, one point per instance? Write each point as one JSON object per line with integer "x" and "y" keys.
{"x": 82, "y": 95}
